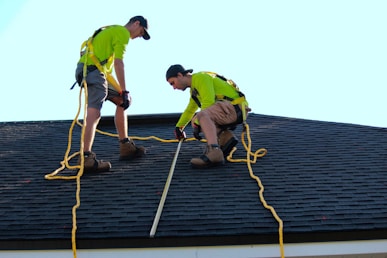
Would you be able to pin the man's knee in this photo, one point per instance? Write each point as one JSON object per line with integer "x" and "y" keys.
{"x": 117, "y": 100}
{"x": 93, "y": 114}
{"x": 203, "y": 114}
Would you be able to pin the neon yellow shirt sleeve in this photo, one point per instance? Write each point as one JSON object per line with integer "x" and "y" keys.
{"x": 188, "y": 113}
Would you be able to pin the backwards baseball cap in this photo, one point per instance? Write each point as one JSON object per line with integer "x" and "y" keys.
{"x": 173, "y": 70}
{"x": 143, "y": 23}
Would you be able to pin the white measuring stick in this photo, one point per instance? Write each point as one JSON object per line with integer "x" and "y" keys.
{"x": 165, "y": 192}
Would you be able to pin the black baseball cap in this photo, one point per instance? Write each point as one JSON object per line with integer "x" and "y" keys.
{"x": 143, "y": 23}
{"x": 173, "y": 70}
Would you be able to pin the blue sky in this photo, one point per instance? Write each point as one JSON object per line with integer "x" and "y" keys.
{"x": 313, "y": 59}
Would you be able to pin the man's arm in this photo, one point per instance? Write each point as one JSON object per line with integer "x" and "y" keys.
{"x": 188, "y": 113}
{"x": 126, "y": 99}
{"x": 120, "y": 72}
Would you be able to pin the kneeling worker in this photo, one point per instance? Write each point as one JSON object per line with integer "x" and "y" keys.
{"x": 222, "y": 106}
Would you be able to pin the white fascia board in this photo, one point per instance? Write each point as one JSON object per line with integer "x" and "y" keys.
{"x": 241, "y": 251}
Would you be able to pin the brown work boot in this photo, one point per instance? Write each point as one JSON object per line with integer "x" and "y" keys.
{"x": 227, "y": 141}
{"x": 213, "y": 156}
{"x": 93, "y": 165}
{"x": 129, "y": 151}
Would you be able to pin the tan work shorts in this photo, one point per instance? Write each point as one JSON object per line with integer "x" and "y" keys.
{"x": 222, "y": 113}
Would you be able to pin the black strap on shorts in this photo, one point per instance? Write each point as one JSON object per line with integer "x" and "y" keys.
{"x": 238, "y": 121}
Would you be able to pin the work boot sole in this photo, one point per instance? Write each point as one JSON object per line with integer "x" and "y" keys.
{"x": 97, "y": 168}
{"x": 207, "y": 164}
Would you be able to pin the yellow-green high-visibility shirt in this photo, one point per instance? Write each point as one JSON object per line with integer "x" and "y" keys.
{"x": 207, "y": 87}
{"x": 109, "y": 44}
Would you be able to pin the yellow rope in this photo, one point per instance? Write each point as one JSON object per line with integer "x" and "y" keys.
{"x": 65, "y": 164}
{"x": 67, "y": 158}
{"x": 139, "y": 137}
{"x": 258, "y": 154}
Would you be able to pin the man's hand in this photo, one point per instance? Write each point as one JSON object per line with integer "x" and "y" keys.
{"x": 196, "y": 131}
{"x": 180, "y": 134}
{"x": 126, "y": 99}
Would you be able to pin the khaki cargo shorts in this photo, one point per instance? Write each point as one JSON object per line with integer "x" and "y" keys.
{"x": 222, "y": 113}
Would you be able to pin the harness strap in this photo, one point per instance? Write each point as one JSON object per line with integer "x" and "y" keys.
{"x": 101, "y": 68}
{"x": 194, "y": 96}
{"x": 240, "y": 102}
{"x": 87, "y": 48}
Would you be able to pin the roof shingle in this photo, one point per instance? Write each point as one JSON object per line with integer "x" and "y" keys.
{"x": 325, "y": 180}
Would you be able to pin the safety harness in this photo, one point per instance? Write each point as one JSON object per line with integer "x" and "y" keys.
{"x": 88, "y": 49}
{"x": 239, "y": 103}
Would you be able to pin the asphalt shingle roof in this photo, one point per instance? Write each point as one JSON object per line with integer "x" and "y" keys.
{"x": 326, "y": 181}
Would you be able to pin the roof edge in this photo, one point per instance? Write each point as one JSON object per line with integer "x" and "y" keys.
{"x": 102, "y": 243}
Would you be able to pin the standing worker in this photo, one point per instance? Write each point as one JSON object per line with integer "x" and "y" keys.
{"x": 108, "y": 49}
{"x": 222, "y": 106}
